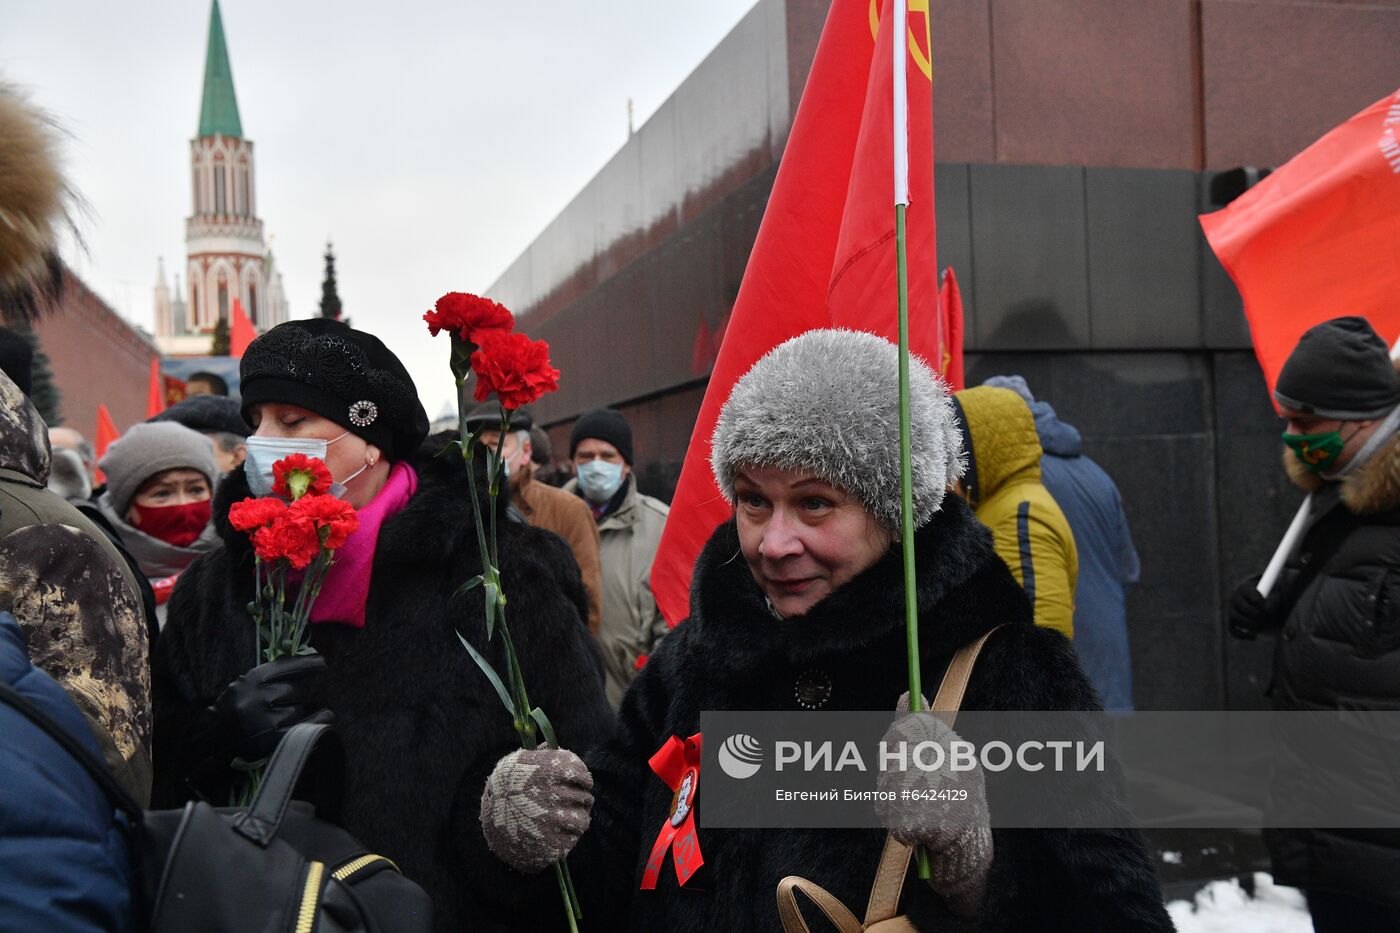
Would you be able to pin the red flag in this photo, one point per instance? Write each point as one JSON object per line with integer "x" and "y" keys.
{"x": 950, "y": 330}
{"x": 241, "y": 331}
{"x": 825, "y": 252}
{"x": 1320, "y": 237}
{"x": 174, "y": 390}
{"x": 106, "y": 433}
{"x": 155, "y": 391}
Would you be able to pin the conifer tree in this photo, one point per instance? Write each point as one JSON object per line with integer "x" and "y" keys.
{"x": 330, "y": 298}
{"x": 43, "y": 392}
{"x": 220, "y": 346}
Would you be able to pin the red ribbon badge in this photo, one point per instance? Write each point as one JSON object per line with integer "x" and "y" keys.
{"x": 678, "y": 764}
{"x": 163, "y": 588}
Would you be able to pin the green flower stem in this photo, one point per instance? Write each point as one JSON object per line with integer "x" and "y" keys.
{"x": 566, "y": 890}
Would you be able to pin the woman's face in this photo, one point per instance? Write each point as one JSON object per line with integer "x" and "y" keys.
{"x": 343, "y": 458}
{"x": 802, "y": 536}
{"x": 169, "y": 487}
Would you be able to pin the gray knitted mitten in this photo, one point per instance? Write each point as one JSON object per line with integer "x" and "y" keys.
{"x": 945, "y": 811}
{"x": 535, "y": 807}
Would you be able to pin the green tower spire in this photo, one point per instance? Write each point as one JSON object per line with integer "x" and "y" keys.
{"x": 218, "y": 115}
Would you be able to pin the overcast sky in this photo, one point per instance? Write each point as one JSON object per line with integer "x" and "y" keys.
{"x": 431, "y": 140}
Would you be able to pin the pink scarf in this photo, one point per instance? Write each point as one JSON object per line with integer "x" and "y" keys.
{"x": 346, "y": 589}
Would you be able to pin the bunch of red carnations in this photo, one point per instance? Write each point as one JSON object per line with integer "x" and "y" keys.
{"x": 296, "y": 530}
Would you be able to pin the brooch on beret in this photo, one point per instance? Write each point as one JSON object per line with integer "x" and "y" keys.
{"x": 363, "y": 413}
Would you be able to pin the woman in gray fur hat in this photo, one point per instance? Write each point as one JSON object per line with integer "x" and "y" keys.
{"x": 812, "y": 617}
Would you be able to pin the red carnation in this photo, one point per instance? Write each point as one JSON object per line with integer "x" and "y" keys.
{"x": 296, "y": 475}
{"x": 468, "y": 317}
{"x": 329, "y": 514}
{"x": 293, "y": 537}
{"x": 514, "y": 367}
{"x": 251, "y": 514}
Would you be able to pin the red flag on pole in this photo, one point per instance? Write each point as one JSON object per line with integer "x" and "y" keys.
{"x": 241, "y": 331}
{"x": 155, "y": 391}
{"x": 825, "y": 252}
{"x": 1320, "y": 237}
{"x": 102, "y": 439}
{"x": 950, "y": 330}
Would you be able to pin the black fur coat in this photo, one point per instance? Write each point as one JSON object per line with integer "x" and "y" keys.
{"x": 732, "y": 654}
{"x": 422, "y": 727}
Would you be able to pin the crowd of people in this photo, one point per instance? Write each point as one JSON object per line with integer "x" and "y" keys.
{"x": 124, "y": 614}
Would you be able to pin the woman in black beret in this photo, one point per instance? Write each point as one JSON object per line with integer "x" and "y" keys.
{"x": 421, "y": 725}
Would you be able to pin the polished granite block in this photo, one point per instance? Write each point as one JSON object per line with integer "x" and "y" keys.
{"x": 1028, "y": 240}
{"x": 1143, "y": 259}
{"x": 952, "y": 202}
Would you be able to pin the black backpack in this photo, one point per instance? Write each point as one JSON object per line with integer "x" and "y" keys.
{"x": 278, "y": 865}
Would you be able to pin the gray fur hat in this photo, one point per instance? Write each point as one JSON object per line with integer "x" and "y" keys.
{"x": 827, "y": 402}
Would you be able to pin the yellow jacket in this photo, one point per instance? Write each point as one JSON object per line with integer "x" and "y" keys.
{"x": 1003, "y": 485}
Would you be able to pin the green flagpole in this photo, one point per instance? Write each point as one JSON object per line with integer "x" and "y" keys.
{"x": 906, "y": 470}
{"x": 906, "y": 489}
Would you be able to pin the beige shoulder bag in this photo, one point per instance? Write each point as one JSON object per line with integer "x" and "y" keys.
{"x": 894, "y": 861}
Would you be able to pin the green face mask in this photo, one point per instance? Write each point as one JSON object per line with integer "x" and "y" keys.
{"x": 1317, "y": 452}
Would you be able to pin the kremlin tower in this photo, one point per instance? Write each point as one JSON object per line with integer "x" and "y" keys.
{"x": 227, "y": 258}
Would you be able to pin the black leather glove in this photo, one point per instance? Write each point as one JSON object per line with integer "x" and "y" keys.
{"x": 1248, "y": 612}
{"x": 253, "y": 711}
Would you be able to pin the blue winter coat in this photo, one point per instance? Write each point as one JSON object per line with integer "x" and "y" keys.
{"x": 63, "y": 853}
{"x": 1107, "y": 560}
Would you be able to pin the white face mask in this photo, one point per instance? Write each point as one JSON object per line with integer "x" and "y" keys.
{"x": 599, "y": 479}
{"x": 263, "y": 452}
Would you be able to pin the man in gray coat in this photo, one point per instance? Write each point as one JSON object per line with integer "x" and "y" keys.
{"x": 629, "y": 528}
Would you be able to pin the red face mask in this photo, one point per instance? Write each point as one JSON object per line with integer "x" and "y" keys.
{"x": 179, "y": 525}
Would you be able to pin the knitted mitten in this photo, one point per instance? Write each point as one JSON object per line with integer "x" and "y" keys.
{"x": 535, "y": 807}
{"x": 944, "y": 811}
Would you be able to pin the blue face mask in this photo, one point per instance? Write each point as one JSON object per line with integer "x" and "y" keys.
{"x": 599, "y": 479}
{"x": 263, "y": 452}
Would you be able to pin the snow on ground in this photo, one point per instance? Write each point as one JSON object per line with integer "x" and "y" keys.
{"x": 1224, "y": 907}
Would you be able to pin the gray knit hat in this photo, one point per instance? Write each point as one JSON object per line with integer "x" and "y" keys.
{"x": 827, "y": 402}
{"x": 151, "y": 448}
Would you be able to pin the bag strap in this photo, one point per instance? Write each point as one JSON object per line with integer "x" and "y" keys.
{"x": 791, "y": 915}
{"x": 263, "y": 817}
{"x": 117, "y": 795}
{"x": 894, "y": 860}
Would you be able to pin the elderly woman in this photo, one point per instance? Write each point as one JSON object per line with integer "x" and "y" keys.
{"x": 160, "y": 480}
{"x": 420, "y": 723}
{"x": 797, "y": 603}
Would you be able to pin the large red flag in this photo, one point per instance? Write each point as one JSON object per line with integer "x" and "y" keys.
{"x": 825, "y": 252}
{"x": 241, "y": 331}
{"x": 1320, "y": 237}
{"x": 155, "y": 390}
{"x": 950, "y": 330}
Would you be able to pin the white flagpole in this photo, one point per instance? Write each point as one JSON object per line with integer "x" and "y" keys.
{"x": 901, "y": 103}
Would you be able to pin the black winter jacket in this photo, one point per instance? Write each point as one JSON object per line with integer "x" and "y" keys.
{"x": 732, "y": 654}
{"x": 422, "y": 727}
{"x": 1337, "y": 607}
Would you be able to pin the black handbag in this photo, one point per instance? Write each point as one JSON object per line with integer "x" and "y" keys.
{"x": 277, "y": 865}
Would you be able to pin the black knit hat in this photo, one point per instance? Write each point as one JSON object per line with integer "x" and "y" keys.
{"x": 207, "y": 413}
{"x": 606, "y": 424}
{"x": 340, "y": 373}
{"x": 16, "y": 358}
{"x": 1340, "y": 369}
{"x": 488, "y": 415}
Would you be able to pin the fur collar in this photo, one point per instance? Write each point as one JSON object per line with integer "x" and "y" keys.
{"x": 730, "y": 611}
{"x": 1372, "y": 489}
